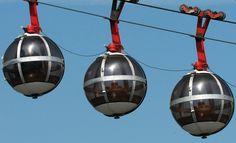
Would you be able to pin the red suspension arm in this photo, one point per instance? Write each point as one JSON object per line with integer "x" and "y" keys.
{"x": 201, "y": 64}
{"x": 115, "y": 45}
{"x": 34, "y": 27}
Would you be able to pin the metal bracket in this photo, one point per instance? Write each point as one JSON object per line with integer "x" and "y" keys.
{"x": 189, "y": 10}
{"x": 206, "y": 13}
{"x": 34, "y": 27}
{"x": 116, "y": 10}
{"x": 202, "y": 26}
{"x": 214, "y": 15}
{"x": 115, "y": 45}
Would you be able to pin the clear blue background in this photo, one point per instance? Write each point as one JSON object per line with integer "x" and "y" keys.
{"x": 65, "y": 115}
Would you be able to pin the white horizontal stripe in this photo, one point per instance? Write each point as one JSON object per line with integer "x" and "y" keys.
{"x": 114, "y": 77}
{"x": 201, "y": 97}
{"x": 33, "y": 59}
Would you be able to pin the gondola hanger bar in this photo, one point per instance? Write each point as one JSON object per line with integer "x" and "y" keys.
{"x": 117, "y": 7}
{"x": 202, "y": 26}
{"x": 34, "y": 27}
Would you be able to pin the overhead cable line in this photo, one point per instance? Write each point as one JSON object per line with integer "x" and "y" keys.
{"x": 172, "y": 10}
{"x": 143, "y": 25}
{"x": 80, "y": 55}
{"x": 75, "y": 53}
{"x": 136, "y": 23}
{"x": 229, "y": 83}
{"x": 161, "y": 69}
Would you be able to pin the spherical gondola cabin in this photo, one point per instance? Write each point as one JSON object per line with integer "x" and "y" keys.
{"x": 33, "y": 65}
{"x": 202, "y": 103}
{"x": 115, "y": 84}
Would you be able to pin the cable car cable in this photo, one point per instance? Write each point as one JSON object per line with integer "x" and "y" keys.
{"x": 174, "y": 11}
{"x": 161, "y": 69}
{"x": 75, "y": 53}
{"x": 137, "y": 24}
{"x": 231, "y": 84}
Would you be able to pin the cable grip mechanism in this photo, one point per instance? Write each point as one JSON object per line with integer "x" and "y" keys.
{"x": 117, "y": 7}
{"x": 202, "y": 26}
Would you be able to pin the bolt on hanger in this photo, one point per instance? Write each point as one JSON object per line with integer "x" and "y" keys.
{"x": 201, "y": 64}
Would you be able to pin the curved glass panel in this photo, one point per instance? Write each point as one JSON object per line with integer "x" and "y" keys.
{"x": 137, "y": 67}
{"x": 204, "y": 83}
{"x": 182, "y": 88}
{"x": 226, "y": 88}
{"x": 55, "y": 51}
{"x": 118, "y": 91}
{"x": 12, "y": 75}
{"x": 35, "y": 71}
{"x": 94, "y": 94}
{"x": 94, "y": 69}
{"x": 33, "y": 46}
{"x": 57, "y": 72}
{"x": 139, "y": 92}
{"x": 207, "y": 110}
{"x": 227, "y": 112}
{"x": 11, "y": 52}
{"x": 182, "y": 113}
{"x": 117, "y": 65}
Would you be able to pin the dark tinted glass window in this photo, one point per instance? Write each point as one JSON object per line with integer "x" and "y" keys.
{"x": 226, "y": 88}
{"x": 118, "y": 91}
{"x": 182, "y": 113}
{"x": 140, "y": 92}
{"x": 94, "y": 70}
{"x": 137, "y": 68}
{"x": 33, "y": 46}
{"x": 182, "y": 88}
{"x": 12, "y": 75}
{"x": 56, "y": 74}
{"x": 35, "y": 71}
{"x": 95, "y": 94}
{"x": 140, "y": 89}
{"x": 55, "y": 51}
{"x": 11, "y": 52}
{"x": 205, "y": 84}
{"x": 117, "y": 65}
{"x": 207, "y": 110}
{"x": 227, "y": 112}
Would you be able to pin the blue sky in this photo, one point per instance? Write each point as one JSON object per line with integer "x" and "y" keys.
{"x": 65, "y": 115}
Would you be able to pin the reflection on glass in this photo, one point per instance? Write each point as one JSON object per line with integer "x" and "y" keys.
{"x": 205, "y": 83}
{"x": 94, "y": 70}
{"x": 55, "y": 51}
{"x": 226, "y": 88}
{"x": 33, "y": 46}
{"x": 57, "y": 71}
{"x": 117, "y": 65}
{"x": 182, "y": 113}
{"x": 182, "y": 88}
{"x": 118, "y": 91}
{"x": 11, "y": 51}
{"x": 207, "y": 110}
{"x": 137, "y": 68}
{"x": 227, "y": 112}
{"x": 12, "y": 75}
{"x": 34, "y": 71}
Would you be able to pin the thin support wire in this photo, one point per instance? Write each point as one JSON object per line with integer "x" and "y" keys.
{"x": 75, "y": 53}
{"x": 137, "y": 24}
{"x": 161, "y": 69}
